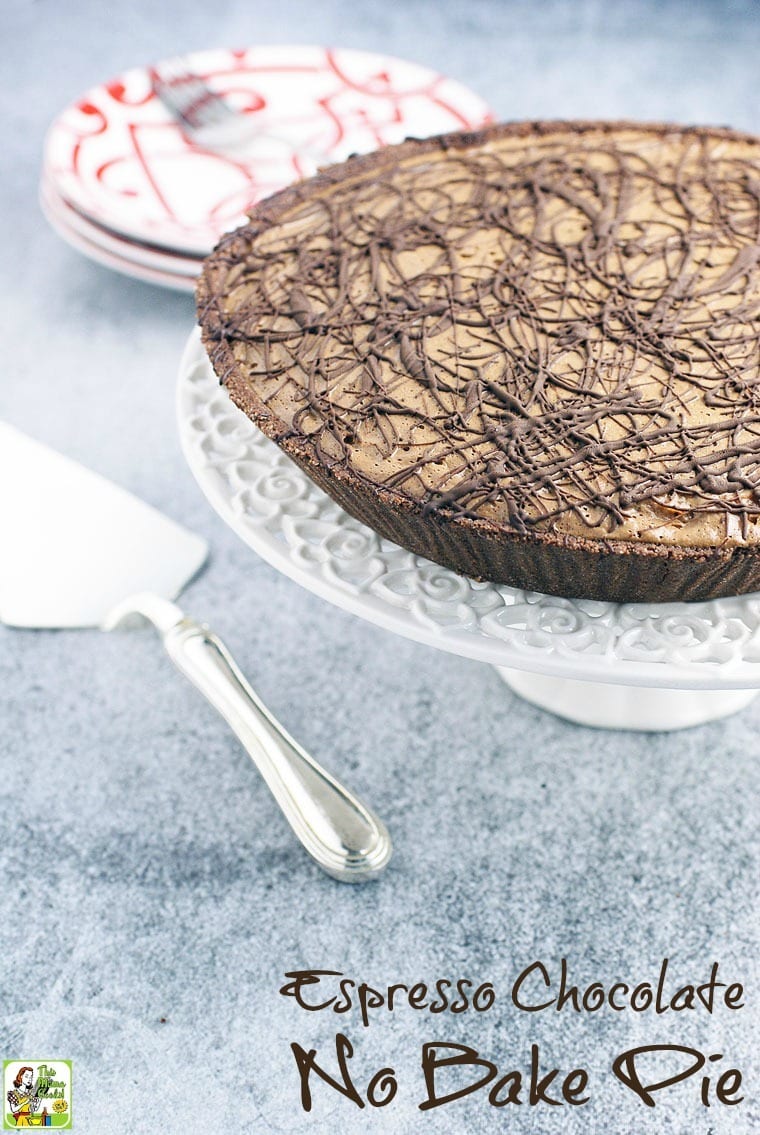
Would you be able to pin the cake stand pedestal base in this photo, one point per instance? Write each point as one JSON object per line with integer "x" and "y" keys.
{"x": 607, "y": 706}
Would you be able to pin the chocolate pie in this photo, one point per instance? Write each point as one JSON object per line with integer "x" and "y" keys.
{"x": 531, "y": 354}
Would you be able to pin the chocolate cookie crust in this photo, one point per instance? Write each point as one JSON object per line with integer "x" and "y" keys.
{"x": 530, "y": 354}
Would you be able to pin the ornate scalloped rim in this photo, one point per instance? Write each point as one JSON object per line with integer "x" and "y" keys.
{"x": 282, "y": 515}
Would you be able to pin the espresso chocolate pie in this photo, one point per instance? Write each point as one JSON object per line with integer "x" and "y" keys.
{"x": 530, "y": 354}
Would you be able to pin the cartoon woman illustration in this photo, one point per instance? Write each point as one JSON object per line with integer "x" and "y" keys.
{"x": 23, "y": 1101}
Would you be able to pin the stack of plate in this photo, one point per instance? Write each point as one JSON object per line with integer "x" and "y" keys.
{"x": 125, "y": 185}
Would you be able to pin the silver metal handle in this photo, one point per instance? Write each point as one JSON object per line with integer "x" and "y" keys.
{"x": 345, "y": 838}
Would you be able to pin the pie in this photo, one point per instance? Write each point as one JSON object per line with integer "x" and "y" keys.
{"x": 530, "y": 354}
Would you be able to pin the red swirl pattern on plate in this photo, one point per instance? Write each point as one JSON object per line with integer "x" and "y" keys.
{"x": 118, "y": 156}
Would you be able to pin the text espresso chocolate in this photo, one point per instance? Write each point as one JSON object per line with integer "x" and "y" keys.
{"x": 529, "y": 354}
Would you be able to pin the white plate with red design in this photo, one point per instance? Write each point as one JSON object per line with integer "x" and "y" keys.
{"x": 111, "y": 253}
{"x": 173, "y": 262}
{"x": 119, "y": 158}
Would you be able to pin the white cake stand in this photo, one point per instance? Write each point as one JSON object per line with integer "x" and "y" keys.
{"x": 623, "y": 666}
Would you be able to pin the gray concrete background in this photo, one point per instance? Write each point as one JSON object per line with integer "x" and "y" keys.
{"x": 152, "y": 898}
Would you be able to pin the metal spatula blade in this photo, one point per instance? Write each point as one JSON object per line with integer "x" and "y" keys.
{"x": 74, "y": 544}
{"x": 76, "y": 551}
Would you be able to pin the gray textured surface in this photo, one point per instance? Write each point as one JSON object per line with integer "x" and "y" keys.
{"x": 144, "y": 872}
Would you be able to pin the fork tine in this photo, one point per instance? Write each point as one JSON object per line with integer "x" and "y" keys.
{"x": 206, "y": 118}
{"x": 186, "y": 96}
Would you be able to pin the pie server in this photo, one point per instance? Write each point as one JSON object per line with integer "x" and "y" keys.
{"x": 80, "y": 552}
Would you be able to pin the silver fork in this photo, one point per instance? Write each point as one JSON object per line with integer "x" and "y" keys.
{"x": 209, "y": 122}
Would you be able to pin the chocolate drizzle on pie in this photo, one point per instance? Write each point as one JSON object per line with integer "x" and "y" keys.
{"x": 547, "y": 330}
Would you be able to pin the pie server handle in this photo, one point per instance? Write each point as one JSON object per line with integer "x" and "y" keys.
{"x": 340, "y": 832}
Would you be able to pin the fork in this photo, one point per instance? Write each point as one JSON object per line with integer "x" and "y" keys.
{"x": 208, "y": 120}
